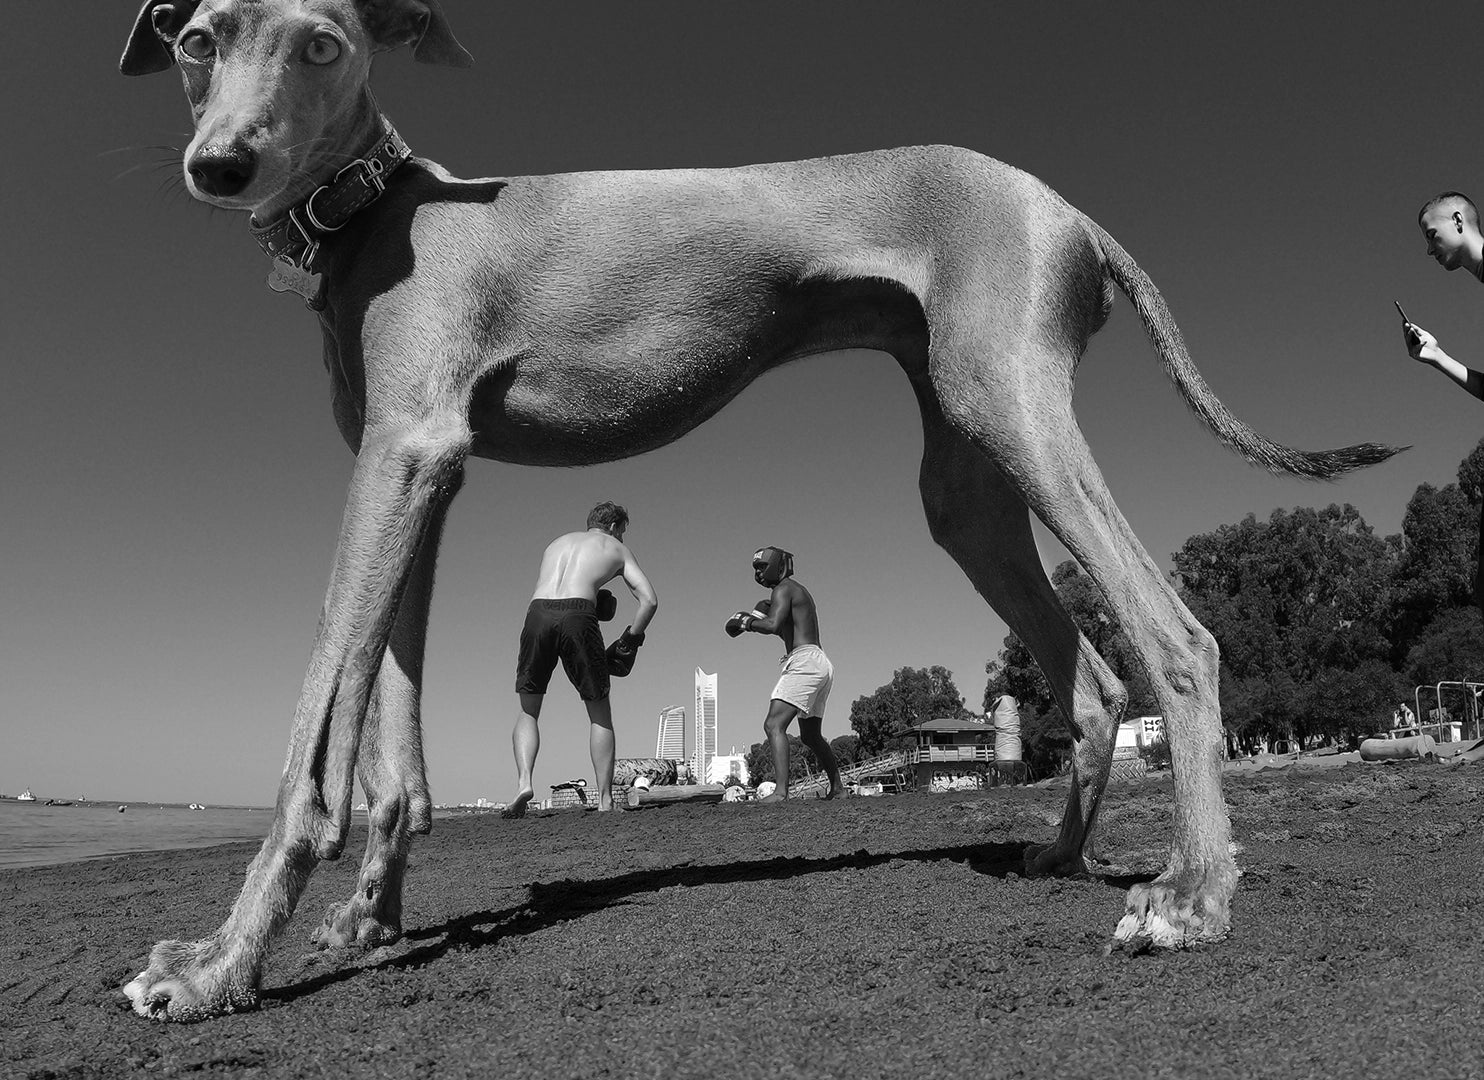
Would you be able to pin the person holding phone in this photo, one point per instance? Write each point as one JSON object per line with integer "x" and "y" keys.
{"x": 1450, "y": 225}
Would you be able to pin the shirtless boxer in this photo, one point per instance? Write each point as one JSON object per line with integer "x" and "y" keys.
{"x": 804, "y": 686}
{"x": 562, "y": 624}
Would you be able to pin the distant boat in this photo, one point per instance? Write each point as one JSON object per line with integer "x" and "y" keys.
{"x": 198, "y": 806}
{"x": 26, "y": 796}
{"x": 58, "y": 802}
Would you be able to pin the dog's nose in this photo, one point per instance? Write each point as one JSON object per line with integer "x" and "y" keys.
{"x": 223, "y": 171}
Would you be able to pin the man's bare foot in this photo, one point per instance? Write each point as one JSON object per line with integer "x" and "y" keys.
{"x": 774, "y": 797}
{"x": 605, "y": 802}
{"x": 834, "y": 793}
{"x": 517, "y": 808}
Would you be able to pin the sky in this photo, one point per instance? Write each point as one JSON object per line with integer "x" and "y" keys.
{"x": 172, "y": 479}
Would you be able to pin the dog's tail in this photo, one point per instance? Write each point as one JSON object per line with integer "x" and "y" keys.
{"x": 1168, "y": 341}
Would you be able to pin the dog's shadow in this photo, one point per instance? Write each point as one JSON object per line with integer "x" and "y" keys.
{"x": 553, "y": 903}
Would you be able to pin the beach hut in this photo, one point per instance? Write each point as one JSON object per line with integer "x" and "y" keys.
{"x": 952, "y": 754}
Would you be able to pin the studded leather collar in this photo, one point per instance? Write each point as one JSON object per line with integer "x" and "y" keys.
{"x": 293, "y": 241}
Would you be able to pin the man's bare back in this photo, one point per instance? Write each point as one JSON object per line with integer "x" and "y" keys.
{"x": 576, "y": 564}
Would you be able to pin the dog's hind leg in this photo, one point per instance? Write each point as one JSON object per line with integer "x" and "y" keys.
{"x": 392, "y": 771}
{"x": 1047, "y": 459}
{"x": 981, "y": 520}
{"x": 404, "y": 476}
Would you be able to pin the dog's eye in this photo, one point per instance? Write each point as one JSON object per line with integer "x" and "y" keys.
{"x": 197, "y": 45}
{"x": 322, "y": 49}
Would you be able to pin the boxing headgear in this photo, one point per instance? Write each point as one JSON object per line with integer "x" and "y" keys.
{"x": 770, "y": 565}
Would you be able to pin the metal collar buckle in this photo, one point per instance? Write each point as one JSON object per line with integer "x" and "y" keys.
{"x": 371, "y": 178}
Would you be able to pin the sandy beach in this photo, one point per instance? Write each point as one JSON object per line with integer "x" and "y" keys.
{"x": 874, "y": 937}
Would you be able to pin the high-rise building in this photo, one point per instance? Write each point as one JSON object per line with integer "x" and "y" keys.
{"x": 670, "y": 742}
{"x": 705, "y": 748}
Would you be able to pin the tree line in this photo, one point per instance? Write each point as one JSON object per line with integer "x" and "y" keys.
{"x": 1324, "y": 628}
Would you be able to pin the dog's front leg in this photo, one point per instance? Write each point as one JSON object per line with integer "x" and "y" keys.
{"x": 403, "y": 480}
{"x": 392, "y": 771}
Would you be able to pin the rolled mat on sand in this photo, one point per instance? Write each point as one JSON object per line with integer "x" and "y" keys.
{"x": 1415, "y": 746}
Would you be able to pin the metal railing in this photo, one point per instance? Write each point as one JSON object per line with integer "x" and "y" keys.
{"x": 1472, "y": 691}
{"x": 953, "y": 753}
{"x": 814, "y": 782}
{"x": 897, "y": 759}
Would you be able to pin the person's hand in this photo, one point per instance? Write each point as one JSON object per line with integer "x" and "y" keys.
{"x": 1421, "y": 345}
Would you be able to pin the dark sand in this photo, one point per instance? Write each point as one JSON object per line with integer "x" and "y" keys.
{"x": 872, "y": 937}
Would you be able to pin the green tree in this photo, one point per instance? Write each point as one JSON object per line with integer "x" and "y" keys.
{"x": 1296, "y": 604}
{"x": 1451, "y": 649}
{"x": 883, "y": 720}
{"x": 846, "y": 749}
{"x": 1471, "y": 475}
{"x": 759, "y": 761}
{"x": 1439, "y": 546}
{"x": 1045, "y": 739}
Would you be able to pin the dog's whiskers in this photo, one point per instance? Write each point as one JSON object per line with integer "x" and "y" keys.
{"x": 161, "y": 156}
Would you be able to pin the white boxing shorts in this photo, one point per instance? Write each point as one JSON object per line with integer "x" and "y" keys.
{"x": 806, "y": 680}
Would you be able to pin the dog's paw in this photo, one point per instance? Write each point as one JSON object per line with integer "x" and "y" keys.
{"x": 355, "y": 923}
{"x": 1177, "y": 911}
{"x": 1049, "y": 860}
{"x": 187, "y": 981}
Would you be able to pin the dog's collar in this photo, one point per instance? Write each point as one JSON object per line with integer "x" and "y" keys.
{"x": 293, "y": 241}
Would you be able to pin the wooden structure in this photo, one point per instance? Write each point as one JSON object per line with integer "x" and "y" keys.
{"x": 951, "y": 750}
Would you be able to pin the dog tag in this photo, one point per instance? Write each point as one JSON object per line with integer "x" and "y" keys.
{"x": 286, "y": 277}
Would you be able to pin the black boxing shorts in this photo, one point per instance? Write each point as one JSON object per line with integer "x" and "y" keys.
{"x": 565, "y": 630}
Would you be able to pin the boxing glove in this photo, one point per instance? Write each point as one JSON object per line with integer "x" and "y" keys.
{"x": 761, "y": 608}
{"x": 622, "y": 653}
{"x": 737, "y": 623}
{"x": 607, "y": 605}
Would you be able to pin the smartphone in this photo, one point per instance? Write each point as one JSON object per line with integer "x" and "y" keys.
{"x": 1402, "y": 313}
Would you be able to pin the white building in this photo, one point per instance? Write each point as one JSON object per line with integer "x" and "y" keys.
{"x": 670, "y": 740}
{"x": 1138, "y": 734}
{"x": 705, "y": 747}
{"x": 723, "y": 765}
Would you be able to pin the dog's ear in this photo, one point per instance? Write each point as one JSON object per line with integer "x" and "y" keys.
{"x": 159, "y": 22}
{"x": 419, "y": 23}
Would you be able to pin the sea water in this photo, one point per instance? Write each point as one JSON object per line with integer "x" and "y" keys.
{"x": 34, "y": 834}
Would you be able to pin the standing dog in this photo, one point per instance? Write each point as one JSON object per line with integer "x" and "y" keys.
{"x": 566, "y": 320}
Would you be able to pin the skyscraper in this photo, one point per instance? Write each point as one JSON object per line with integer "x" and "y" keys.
{"x": 705, "y": 723}
{"x": 670, "y": 742}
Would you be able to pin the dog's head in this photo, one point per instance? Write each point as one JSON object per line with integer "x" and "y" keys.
{"x": 277, "y": 86}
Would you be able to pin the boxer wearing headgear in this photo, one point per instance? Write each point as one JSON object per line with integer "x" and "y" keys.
{"x": 562, "y": 624}
{"x": 770, "y": 565}
{"x": 804, "y": 686}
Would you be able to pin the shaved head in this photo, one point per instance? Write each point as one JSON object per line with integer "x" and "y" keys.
{"x": 1450, "y": 201}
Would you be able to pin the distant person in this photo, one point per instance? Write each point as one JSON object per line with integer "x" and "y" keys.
{"x": 562, "y": 624}
{"x": 804, "y": 686}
